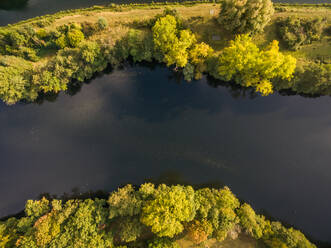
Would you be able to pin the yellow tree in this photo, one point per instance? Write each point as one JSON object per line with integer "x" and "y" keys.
{"x": 198, "y": 56}
{"x": 248, "y": 66}
{"x": 172, "y": 42}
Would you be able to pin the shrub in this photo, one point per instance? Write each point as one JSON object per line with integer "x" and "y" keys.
{"x": 102, "y": 23}
{"x": 62, "y": 42}
{"x": 296, "y": 32}
{"x": 89, "y": 28}
{"x": 245, "y": 16}
{"x": 313, "y": 78}
{"x": 188, "y": 72}
{"x": 75, "y": 37}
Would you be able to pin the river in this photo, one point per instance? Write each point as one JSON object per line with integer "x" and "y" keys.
{"x": 142, "y": 123}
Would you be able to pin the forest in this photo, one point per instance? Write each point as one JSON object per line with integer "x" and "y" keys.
{"x": 250, "y": 47}
{"x": 147, "y": 216}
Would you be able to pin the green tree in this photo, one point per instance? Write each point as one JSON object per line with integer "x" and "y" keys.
{"x": 163, "y": 243}
{"x": 250, "y": 221}
{"x": 124, "y": 202}
{"x": 245, "y": 16}
{"x": 130, "y": 229}
{"x": 170, "y": 207}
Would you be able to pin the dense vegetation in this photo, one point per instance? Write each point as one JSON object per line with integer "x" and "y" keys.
{"x": 296, "y": 31}
{"x": 38, "y": 57}
{"x": 146, "y": 217}
{"x": 245, "y": 16}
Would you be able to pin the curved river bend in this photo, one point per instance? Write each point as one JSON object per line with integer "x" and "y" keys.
{"x": 140, "y": 123}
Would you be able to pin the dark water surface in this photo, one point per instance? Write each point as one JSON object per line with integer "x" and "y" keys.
{"x": 137, "y": 123}
{"x": 12, "y": 11}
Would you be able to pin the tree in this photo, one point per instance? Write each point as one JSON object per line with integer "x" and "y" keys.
{"x": 218, "y": 207}
{"x": 170, "y": 207}
{"x": 172, "y": 42}
{"x": 124, "y": 202}
{"x": 140, "y": 45}
{"x": 198, "y": 57}
{"x": 244, "y": 63}
{"x": 245, "y": 16}
{"x": 163, "y": 243}
{"x": 130, "y": 228}
{"x": 249, "y": 221}
{"x": 199, "y": 231}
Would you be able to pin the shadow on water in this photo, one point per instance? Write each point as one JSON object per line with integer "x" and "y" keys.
{"x": 235, "y": 90}
{"x": 13, "y": 4}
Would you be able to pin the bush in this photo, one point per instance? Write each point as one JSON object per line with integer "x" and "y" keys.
{"x": 102, "y": 23}
{"x": 75, "y": 37}
{"x": 313, "y": 78}
{"x": 89, "y": 28}
{"x": 296, "y": 32}
{"x": 245, "y": 16}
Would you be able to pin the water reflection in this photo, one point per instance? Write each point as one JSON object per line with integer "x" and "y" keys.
{"x": 136, "y": 124}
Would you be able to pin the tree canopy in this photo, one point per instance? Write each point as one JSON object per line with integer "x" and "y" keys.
{"x": 245, "y": 16}
{"x": 247, "y": 65}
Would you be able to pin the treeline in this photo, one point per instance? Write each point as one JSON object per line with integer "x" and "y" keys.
{"x": 35, "y": 59}
{"x": 169, "y": 42}
{"x": 149, "y": 216}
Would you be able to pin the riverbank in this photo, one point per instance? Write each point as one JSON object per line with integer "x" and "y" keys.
{"x": 149, "y": 216}
{"x": 32, "y": 49}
